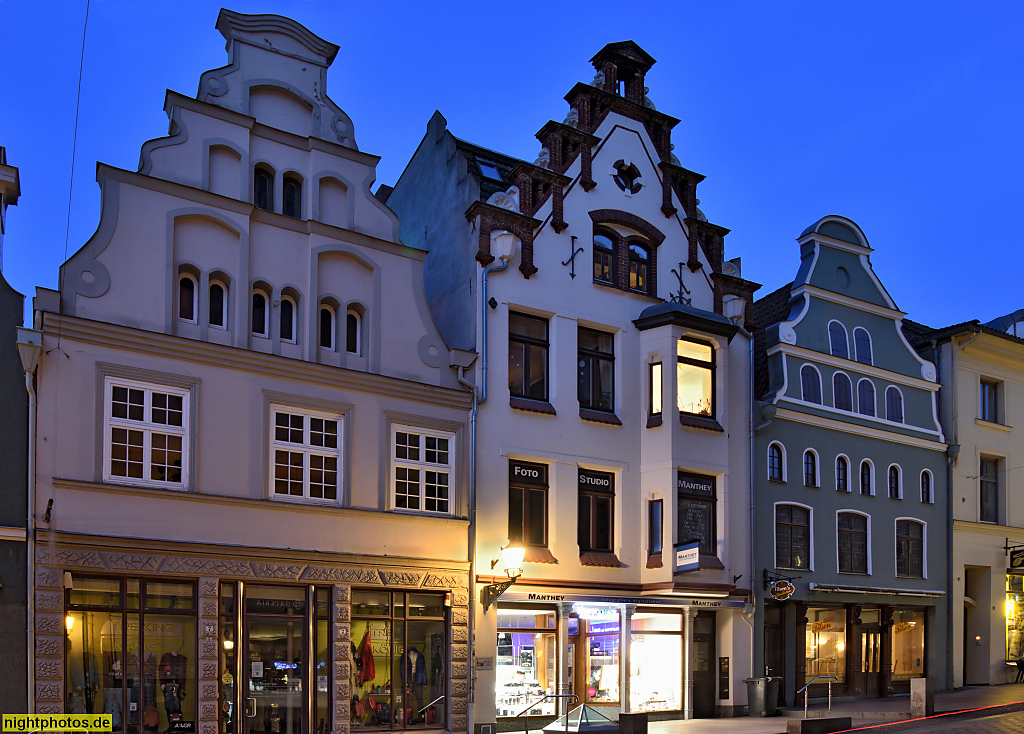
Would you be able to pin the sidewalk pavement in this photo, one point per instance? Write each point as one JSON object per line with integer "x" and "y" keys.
{"x": 973, "y": 701}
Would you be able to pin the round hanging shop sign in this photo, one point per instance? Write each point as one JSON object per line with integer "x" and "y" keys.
{"x": 782, "y": 590}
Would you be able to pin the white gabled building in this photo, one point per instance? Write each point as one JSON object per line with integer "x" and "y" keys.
{"x": 253, "y": 448}
{"x": 614, "y": 416}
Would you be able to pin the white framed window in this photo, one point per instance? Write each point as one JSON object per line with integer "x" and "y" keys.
{"x": 776, "y": 462}
{"x": 188, "y": 298}
{"x": 260, "y": 314}
{"x": 837, "y": 340}
{"x": 867, "y": 478}
{"x": 810, "y": 384}
{"x": 927, "y": 491}
{"x": 326, "y": 327}
{"x": 811, "y": 477}
{"x": 862, "y": 343}
{"x": 893, "y": 404}
{"x": 218, "y": 305}
{"x": 305, "y": 454}
{"x": 843, "y": 473}
{"x": 423, "y": 464}
{"x": 145, "y": 437}
{"x": 353, "y": 331}
{"x": 288, "y": 316}
{"x": 895, "y": 482}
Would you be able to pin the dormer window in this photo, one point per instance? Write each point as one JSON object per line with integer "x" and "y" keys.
{"x": 489, "y": 170}
{"x": 292, "y": 192}
{"x": 263, "y": 189}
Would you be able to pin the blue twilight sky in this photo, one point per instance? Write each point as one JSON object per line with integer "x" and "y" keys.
{"x": 904, "y": 116}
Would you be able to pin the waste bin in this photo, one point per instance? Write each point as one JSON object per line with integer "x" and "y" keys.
{"x": 763, "y": 696}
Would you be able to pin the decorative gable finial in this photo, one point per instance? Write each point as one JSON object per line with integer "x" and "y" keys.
{"x": 647, "y": 100}
{"x": 544, "y": 159}
{"x": 573, "y": 118}
{"x": 598, "y": 80}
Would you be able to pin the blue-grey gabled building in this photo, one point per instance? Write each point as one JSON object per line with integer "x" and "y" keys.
{"x": 849, "y": 482}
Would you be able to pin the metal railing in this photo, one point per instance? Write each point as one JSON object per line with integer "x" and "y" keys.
{"x": 430, "y": 704}
{"x": 804, "y": 690}
{"x": 526, "y": 721}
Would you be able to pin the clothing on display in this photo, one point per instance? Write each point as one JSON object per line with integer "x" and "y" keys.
{"x": 414, "y": 667}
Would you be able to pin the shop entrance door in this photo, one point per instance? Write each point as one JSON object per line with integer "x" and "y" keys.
{"x": 774, "y": 646}
{"x": 705, "y": 680}
{"x": 871, "y": 660}
{"x": 275, "y": 661}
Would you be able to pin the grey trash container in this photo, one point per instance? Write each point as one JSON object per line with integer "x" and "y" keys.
{"x": 763, "y": 696}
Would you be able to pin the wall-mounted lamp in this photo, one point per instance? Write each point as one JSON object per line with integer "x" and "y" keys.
{"x": 69, "y": 622}
{"x": 229, "y": 644}
{"x": 512, "y": 556}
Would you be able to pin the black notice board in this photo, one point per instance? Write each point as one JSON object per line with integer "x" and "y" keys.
{"x": 723, "y": 677}
{"x": 697, "y": 521}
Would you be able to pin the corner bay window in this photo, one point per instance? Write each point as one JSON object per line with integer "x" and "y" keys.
{"x": 423, "y": 463}
{"x": 399, "y": 647}
{"x": 696, "y": 378}
{"x": 146, "y": 434}
{"x": 596, "y": 512}
{"x": 306, "y": 454}
{"x": 131, "y": 650}
{"x": 525, "y": 668}
{"x": 596, "y": 369}
{"x": 527, "y": 356}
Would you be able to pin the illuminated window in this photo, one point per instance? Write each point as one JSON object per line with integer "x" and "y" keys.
{"x": 696, "y": 378}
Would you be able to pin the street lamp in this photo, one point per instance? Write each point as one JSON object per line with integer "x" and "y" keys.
{"x": 512, "y": 556}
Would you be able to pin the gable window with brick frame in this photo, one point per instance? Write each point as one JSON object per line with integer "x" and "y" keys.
{"x": 604, "y": 258}
{"x": 146, "y": 433}
{"x": 625, "y": 254}
{"x": 422, "y": 470}
{"x": 306, "y": 454}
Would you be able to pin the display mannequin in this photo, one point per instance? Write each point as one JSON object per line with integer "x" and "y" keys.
{"x": 173, "y": 674}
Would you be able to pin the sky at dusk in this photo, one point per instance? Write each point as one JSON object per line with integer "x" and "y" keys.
{"x": 905, "y": 117}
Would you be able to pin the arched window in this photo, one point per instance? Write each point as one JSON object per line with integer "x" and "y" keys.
{"x": 810, "y": 384}
{"x": 842, "y": 391}
{"x": 842, "y": 474}
{"x": 810, "y": 469}
{"x": 926, "y": 487}
{"x": 866, "y": 397}
{"x": 910, "y": 549}
{"x": 604, "y": 258}
{"x": 894, "y": 404}
{"x": 326, "y": 326}
{"x": 260, "y": 312}
{"x": 292, "y": 195}
{"x": 895, "y": 483}
{"x": 852, "y": 538}
{"x": 263, "y": 189}
{"x": 187, "y": 298}
{"x": 776, "y": 463}
{"x": 792, "y": 536}
{"x": 288, "y": 312}
{"x": 353, "y": 326}
{"x": 862, "y": 343}
{"x": 867, "y": 478}
{"x": 837, "y": 342}
{"x": 638, "y": 258}
{"x": 218, "y": 305}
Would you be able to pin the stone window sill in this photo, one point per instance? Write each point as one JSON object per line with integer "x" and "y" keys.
{"x": 599, "y": 416}
{"x": 608, "y": 560}
{"x": 696, "y": 421}
{"x": 531, "y": 406}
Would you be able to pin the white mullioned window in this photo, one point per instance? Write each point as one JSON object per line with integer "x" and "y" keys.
{"x": 305, "y": 454}
{"x": 423, "y": 464}
{"x": 145, "y": 434}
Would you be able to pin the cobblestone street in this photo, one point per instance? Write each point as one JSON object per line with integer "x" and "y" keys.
{"x": 1003, "y": 724}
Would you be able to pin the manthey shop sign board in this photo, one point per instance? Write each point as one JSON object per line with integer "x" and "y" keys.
{"x": 592, "y": 599}
{"x": 688, "y": 556}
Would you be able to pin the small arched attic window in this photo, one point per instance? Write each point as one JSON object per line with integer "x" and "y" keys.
{"x": 218, "y": 304}
{"x": 353, "y": 331}
{"x": 188, "y": 297}
{"x": 263, "y": 188}
{"x": 291, "y": 205}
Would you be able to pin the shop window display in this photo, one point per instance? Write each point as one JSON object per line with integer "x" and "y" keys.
{"x": 825, "y": 643}
{"x": 132, "y": 654}
{"x": 398, "y": 653}
{"x": 525, "y": 666}
{"x": 601, "y": 651}
{"x": 656, "y": 662}
{"x": 1014, "y": 617}
{"x": 907, "y": 644}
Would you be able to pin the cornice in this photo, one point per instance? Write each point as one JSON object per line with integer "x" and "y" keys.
{"x": 217, "y": 355}
{"x": 849, "y": 365}
{"x": 148, "y": 545}
{"x": 498, "y": 213}
{"x": 986, "y": 528}
{"x": 621, "y": 105}
{"x": 858, "y": 430}
{"x": 701, "y": 225}
{"x": 243, "y": 208}
{"x": 567, "y": 130}
{"x": 680, "y": 172}
{"x": 813, "y": 290}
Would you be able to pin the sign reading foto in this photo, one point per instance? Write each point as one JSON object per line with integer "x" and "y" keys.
{"x": 688, "y": 556}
